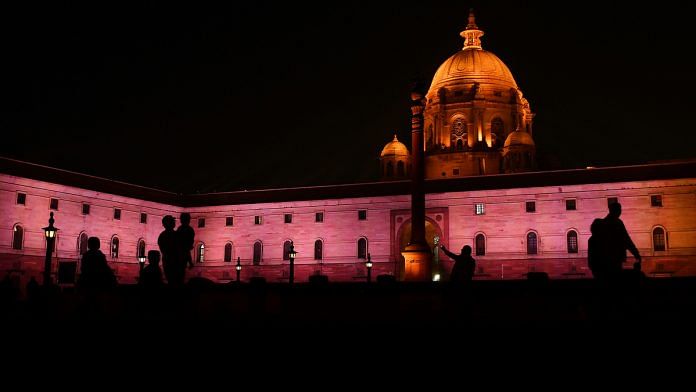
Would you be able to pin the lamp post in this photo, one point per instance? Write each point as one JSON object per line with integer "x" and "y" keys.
{"x": 50, "y": 233}
{"x": 141, "y": 261}
{"x": 292, "y": 255}
{"x": 238, "y": 267}
{"x": 368, "y": 264}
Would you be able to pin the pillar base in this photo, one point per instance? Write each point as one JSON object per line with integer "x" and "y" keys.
{"x": 417, "y": 263}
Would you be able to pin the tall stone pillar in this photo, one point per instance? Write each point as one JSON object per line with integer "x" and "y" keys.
{"x": 417, "y": 254}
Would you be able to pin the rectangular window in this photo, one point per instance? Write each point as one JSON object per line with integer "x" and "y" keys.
{"x": 455, "y": 172}
{"x": 288, "y": 218}
{"x": 570, "y": 205}
{"x": 117, "y": 214}
{"x": 319, "y": 217}
{"x": 656, "y": 200}
{"x": 21, "y": 198}
{"x": 54, "y": 204}
{"x": 479, "y": 209}
{"x": 201, "y": 222}
{"x": 612, "y": 200}
{"x": 229, "y": 221}
{"x": 143, "y": 217}
{"x": 257, "y": 220}
{"x": 362, "y": 214}
{"x": 530, "y": 206}
{"x": 85, "y": 209}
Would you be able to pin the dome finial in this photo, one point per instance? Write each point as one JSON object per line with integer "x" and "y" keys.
{"x": 472, "y": 20}
{"x": 472, "y": 35}
{"x": 395, "y": 138}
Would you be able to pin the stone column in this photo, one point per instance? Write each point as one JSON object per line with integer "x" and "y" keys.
{"x": 417, "y": 254}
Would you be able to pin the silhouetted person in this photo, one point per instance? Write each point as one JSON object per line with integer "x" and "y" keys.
{"x": 95, "y": 273}
{"x": 617, "y": 243}
{"x": 185, "y": 235}
{"x": 596, "y": 249}
{"x": 172, "y": 262}
{"x": 152, "y": 273}
{"x": 464, "y": 265}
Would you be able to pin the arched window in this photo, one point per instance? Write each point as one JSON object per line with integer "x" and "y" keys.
{"x": 390, "y": 169}
{"x": 480, "y": 245}
{"x": 17, "y": 237}
{"x": 141, "y": 248}
{"x": 318, "y": 250}
{"x": 497, "y": 126}
{"x": 258, "y": 252}
{"x": 572, "y": 241}
{"x": 400, "y": 169}
{"x": 531, "y": 243}
{"x": 460, "y": 144}
{"x": 114, "y": 247}
{"x": 200, "y": 253}
{"x": 82, "y": 243}
{"x": 228, "y": 252}
{"x": 659, "y": 239}
{"x": 287, "y": 245}
{"x": 362, "y": 248}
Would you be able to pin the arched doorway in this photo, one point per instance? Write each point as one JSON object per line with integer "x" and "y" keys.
{"x": 432, "y": 230}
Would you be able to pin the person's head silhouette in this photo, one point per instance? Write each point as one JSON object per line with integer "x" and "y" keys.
{"x": 466, "y": 250}
{"x": 185, "y": 218}
{"x": 93, "y": 243}
{"x": 168, "y": 222}
{"x": 615, "y": 210}
{"x": 153, "y": 257}
{"x": 596, "y": 226}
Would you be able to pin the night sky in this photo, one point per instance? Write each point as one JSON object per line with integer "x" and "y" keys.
{"x": 201, "y": 99}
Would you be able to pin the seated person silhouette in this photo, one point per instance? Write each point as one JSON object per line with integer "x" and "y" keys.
{"x": 152, "y": 274}
{"x": 95, "y": 273}
{"x": 464, "y": 265}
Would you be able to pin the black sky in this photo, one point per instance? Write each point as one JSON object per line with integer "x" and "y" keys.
{"x": 200, "y": 98}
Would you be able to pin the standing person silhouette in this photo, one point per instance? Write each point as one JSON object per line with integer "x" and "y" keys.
{"x": 171, "y": 259}
{"x": 184, "y": 238}
{"x": 464, "y": 265}
{"x": 617, "y": 242}
{"x": 596, "y": 249}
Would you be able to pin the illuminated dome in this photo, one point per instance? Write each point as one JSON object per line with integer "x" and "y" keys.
{"x": 472, "y": 64}
{"x": 519, "y": 138}
{"x": 395, "y": 148}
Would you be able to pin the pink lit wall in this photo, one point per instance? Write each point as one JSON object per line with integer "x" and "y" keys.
{"x": 504, "y": 224}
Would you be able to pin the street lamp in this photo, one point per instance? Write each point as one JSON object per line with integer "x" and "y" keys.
{"x": 141, "y": 261}
{"x": 292, "y": 255}
{"x": 50, "y": 233}
{"x": 238, "y": 267}
{"x": 368, "y": 264}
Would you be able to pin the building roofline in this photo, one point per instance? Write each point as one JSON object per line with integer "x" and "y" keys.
{"x": 641, "y": 172}
{"x": 35, "y": 171}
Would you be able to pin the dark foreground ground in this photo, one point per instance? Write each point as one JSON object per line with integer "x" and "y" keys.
{"x": 484, "y": 304}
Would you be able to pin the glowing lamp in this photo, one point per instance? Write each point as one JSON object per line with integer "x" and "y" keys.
{"x": 141, "y": 260}
{"x": 50, "y": 231}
